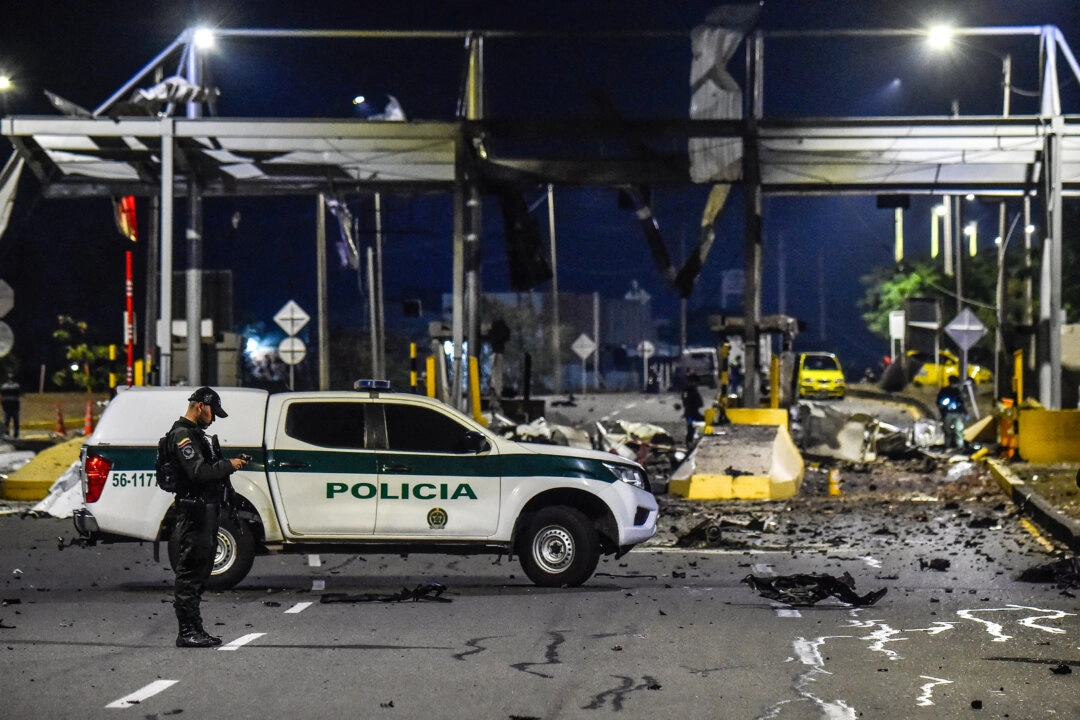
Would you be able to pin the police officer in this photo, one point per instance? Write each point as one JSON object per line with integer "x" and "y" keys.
{"x": 198, "y": 504}
{"x": 950, "y": 403}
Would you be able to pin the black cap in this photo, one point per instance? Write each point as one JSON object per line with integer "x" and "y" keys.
{"x": 207, "y": 396}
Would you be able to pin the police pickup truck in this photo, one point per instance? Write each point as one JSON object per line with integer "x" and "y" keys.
{"x": 367, "y": 471}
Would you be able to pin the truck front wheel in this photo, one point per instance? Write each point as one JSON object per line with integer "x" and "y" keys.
{"x": 559, "y": 548}
{"x": 233, "y": 557}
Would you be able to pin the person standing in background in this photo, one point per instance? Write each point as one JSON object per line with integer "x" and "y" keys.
{"x": 11, "y": 400}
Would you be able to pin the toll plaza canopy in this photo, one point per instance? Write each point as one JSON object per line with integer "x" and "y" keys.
{"x": 80, "y": 157}
{"x": 124, "y": 148}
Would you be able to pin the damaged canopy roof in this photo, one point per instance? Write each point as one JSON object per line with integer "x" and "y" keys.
{"x": 80, "y": 157}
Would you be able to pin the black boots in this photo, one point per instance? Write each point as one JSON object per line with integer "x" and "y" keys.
{"x": 193, "y": 635}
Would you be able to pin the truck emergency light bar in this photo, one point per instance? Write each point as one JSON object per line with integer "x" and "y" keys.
{"x": 371, "y": 385}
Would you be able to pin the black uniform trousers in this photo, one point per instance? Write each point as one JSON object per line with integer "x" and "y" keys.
{"x": 197, "y": 526}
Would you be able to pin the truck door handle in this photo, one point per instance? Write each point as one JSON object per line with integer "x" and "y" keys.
{"x": 395, "y": 468}
{"x": 293, "y": 465}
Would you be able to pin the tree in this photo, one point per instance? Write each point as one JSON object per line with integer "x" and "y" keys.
{"x": 87, "y": 365}
{"x": 888, "y": 288}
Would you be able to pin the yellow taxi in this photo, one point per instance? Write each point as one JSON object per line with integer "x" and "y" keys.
{"x": 819, "y": 375}
{"x": 948, "y": 365}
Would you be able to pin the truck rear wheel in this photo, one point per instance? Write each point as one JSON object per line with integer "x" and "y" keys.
{"x": 233, "y": 557}
{"x": 560, "y": 547}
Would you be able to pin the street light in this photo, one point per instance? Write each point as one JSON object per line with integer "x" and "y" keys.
{"x": 6, "y": 86}
{"x": 971, "y": 230}
{"x": 940, "y": 36}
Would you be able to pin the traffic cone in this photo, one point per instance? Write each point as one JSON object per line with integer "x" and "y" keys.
{"x": 60, "y": 429}
{"x": 88, "y": 421}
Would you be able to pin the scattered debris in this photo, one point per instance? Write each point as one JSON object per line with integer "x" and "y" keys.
{"x": 1064, "y": 572}
{"x": 541, "y": 431}
{"x": 704, "y": 534}
{"x": 648, "y": 444}
{"x": 429, "y": 591}
{"x": 937, "y": 564}
{"x": 1061, "y": 669}
{"x": 65, "y": 495}
{"x": 807, "y": 589}
{"x": 824, "y": 431}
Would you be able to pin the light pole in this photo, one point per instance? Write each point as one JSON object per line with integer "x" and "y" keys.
{"x": 941, "y": 38}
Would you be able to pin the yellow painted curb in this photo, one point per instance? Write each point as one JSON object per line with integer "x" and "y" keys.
{"x": 33, "y": 480}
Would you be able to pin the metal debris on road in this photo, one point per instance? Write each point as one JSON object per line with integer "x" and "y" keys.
{"x": 1064, "y": 572}
{"x": 430, "y": 591}
{"x": 807, "y": 589}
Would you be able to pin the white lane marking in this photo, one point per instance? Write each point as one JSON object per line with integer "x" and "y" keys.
{"x": 318, "y": 584}
{"x": 762, "y": 569}
{"x": 788, "y": 613}
{"x": 298, "y": 607}
{"x": 314, "y": 561}
{"x": 142, "y": 694}
{"x": 808, "y": 652}
{"x": 996, "y": 629}
{"x": 241, "y": 641}
{"x": 871, "y": 561}
{"x": 885, "y": 634}
{"x": 928, "y": 690}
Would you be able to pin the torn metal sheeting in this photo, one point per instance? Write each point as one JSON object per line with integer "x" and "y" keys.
{"x": 428, "y": 592}
{"x": 807, "y": 589}
{"x": 824, "y": 431}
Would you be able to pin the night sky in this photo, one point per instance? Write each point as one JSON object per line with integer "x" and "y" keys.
{"x": 66, "y": 257}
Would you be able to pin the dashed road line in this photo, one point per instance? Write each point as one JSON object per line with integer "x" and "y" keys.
{"x": 299, "y": 608}
{"x": 318, "y": 584}
{"x": 142, "y": 694}
{"x": 314, "y": 561}
{"x": 241, "y": 641}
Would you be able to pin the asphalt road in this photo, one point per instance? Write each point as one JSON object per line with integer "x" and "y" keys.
{"x": 664, "y": 632}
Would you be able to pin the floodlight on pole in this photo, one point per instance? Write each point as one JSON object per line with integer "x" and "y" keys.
{"x": 204, "y": 38}
{"x": 972, "y": 232}
{"x": 940, "y": 36}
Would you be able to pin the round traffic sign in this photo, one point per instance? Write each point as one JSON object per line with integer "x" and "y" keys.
{"x": 7, "y": 338}
{"x": 7, "y": 298}
{"x": 292, "y": 350}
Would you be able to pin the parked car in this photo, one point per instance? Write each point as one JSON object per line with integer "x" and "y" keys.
{"x": 948, "y": 365}
{"x": 819, "y": 375}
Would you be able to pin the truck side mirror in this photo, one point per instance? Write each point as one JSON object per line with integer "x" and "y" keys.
{"x": 475, "y": 442}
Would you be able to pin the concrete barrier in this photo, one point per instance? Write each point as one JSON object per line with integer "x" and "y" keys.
{"x": 1049, "y": 436}
{"x": 741, "y": 462}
